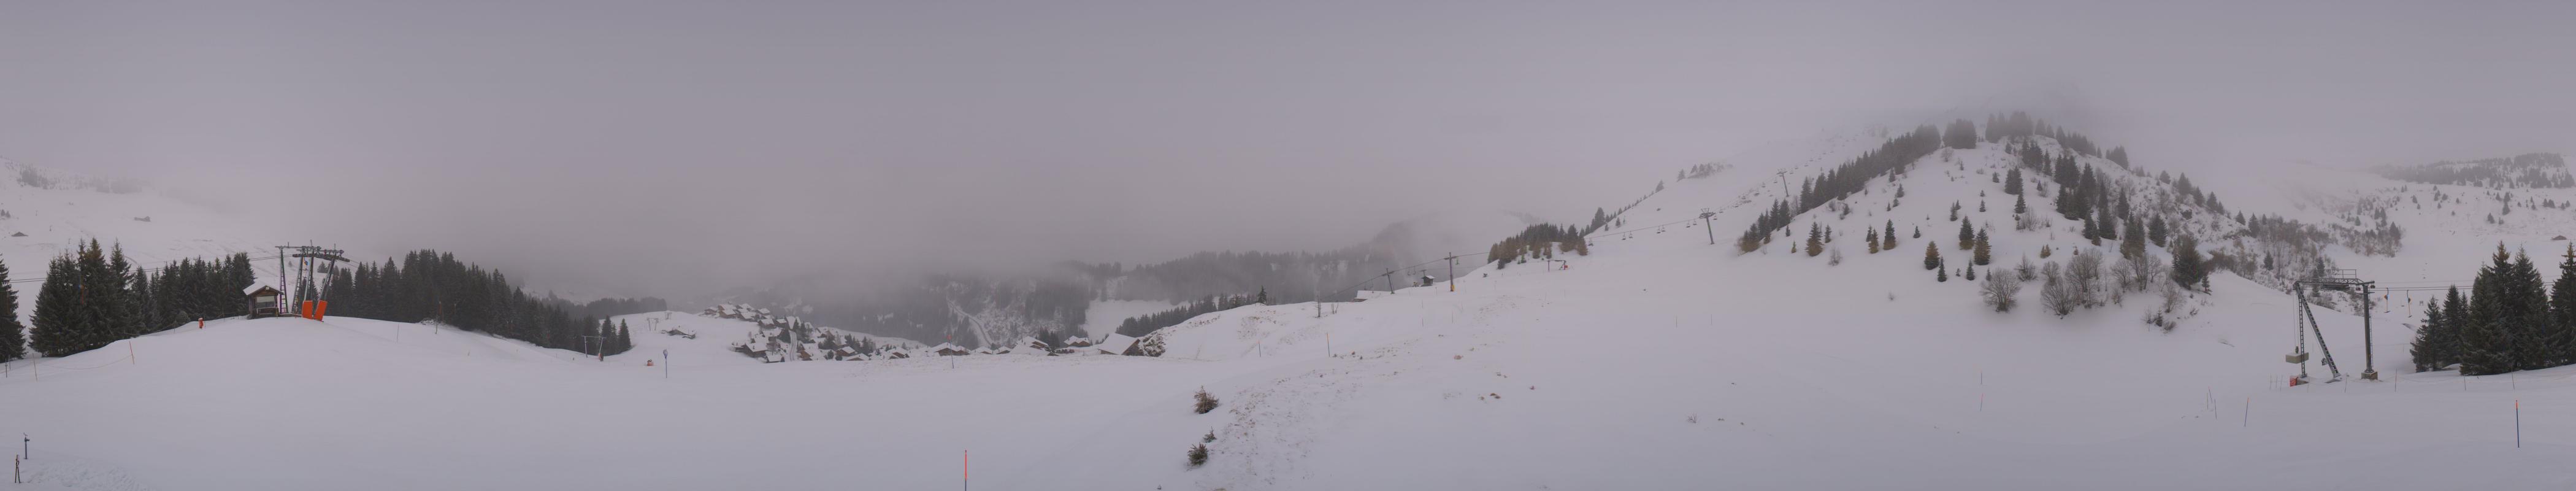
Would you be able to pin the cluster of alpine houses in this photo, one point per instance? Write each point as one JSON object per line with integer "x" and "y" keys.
{"x": 790, "y": 338}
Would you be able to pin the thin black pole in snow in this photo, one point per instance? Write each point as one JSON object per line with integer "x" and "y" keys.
{"x": 2249, "y": 412}
{"x": 2517, "y": 423}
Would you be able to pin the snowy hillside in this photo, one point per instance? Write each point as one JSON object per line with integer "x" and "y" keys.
{"x": 1667, "y": 358}
{"x": 38, "y": 223}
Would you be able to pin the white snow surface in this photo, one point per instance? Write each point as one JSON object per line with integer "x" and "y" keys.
{"x": 1658, "y": 362}
{"x": 59, "y": 219}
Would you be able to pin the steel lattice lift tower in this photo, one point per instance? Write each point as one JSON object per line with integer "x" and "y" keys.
{"x": 305, "y": 261}
{"x": 2341, "y": 280}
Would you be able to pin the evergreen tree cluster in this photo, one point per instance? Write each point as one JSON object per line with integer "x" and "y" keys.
{"x": 612, "y": 338}
{"x": 1841, "y": 182}
{"x": 1541, "y": 241}
{"x": 1142, "y": 325}
{"x": 194, "y": 289}
{"x": 428, "y": 285}
{"x": 95, "y": 296}
{"x": 1700, "y": 171}
{"x": 1960, "y": 134}
{"x": 2511, "y": 320}
{"x": 2000, "y": 127}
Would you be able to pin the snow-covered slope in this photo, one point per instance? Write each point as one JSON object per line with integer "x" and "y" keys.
{"x": 1660, "y": 361}
{"x": 55, "y": 219}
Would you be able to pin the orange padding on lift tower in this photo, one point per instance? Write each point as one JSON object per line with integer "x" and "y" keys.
{"x": 321, "y": 308}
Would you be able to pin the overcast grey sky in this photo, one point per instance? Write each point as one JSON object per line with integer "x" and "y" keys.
{"x": 652, "y": 147}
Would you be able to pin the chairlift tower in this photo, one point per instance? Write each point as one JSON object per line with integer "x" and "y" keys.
{"x": 2340, "y": 280}
{"x": 1705, "y": 221}
{"x": 305, "y": 260}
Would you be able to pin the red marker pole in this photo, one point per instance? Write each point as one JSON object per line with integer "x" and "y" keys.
{"x": 966, "y": 466}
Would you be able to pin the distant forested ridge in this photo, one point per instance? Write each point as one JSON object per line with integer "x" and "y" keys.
{"x": 2531, "y": 170}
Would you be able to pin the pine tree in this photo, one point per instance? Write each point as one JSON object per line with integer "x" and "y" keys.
{"x": 2156, "y": 231}
{"x": 1931, "y": 257}
{"x": 57, "y": 327}
{"x": 1941, "y": 275}
{"x": 2012, "y": 182}
{"x": 2529, "y": 316}
{"x": 13, "y": 337}
{"x": 2485, "y": 346}
{"x": 1985, "y": 250}
{"x": 2558, "y": 337}
{"x": 2187, "y": 270}
{"x": 2109, "y": 223}
{"x": 2020, "y": 206}
{"x": 1967, "y": 236}
{"x": 2133, "y": 245}
{"x": 2431, "y": 339}
{"x": 2455, "y": 316}
{"x": 1872, "y": 239}
{"x": 1889, "y": 238}
{"x": 1815, "y": 239}
{"x": 1971, "y": 274}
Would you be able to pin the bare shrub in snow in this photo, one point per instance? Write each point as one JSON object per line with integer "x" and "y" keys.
{"x": 2140, "y": 273}
{"x": 2027, "y": 271}
{"x": 1198, "y": 455}
{"x": 1206, "y": 402}
{"x": 2168, "y": 312}
{"x": 1836, "y": 258}
{"x": 1998, "y": 290}
{"x": 2057, "y": 292}
{"x": 2084, "y": 272}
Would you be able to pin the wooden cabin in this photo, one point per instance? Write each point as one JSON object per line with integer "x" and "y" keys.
{"x": 263, "y": 301}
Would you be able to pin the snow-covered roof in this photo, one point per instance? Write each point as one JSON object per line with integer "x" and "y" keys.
{"x": 1115, "y": 343}
{"x": 253, "y": 288}
{"x": 946, "y": 347}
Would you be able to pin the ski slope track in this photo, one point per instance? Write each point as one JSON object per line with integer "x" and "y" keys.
{"x": 1660, "y": 361}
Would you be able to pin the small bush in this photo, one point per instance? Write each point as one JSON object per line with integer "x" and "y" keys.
{"x": 1210, "y": 438}
{"x": 1198, "y": 455}
{"x": 1206, "y": 402}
